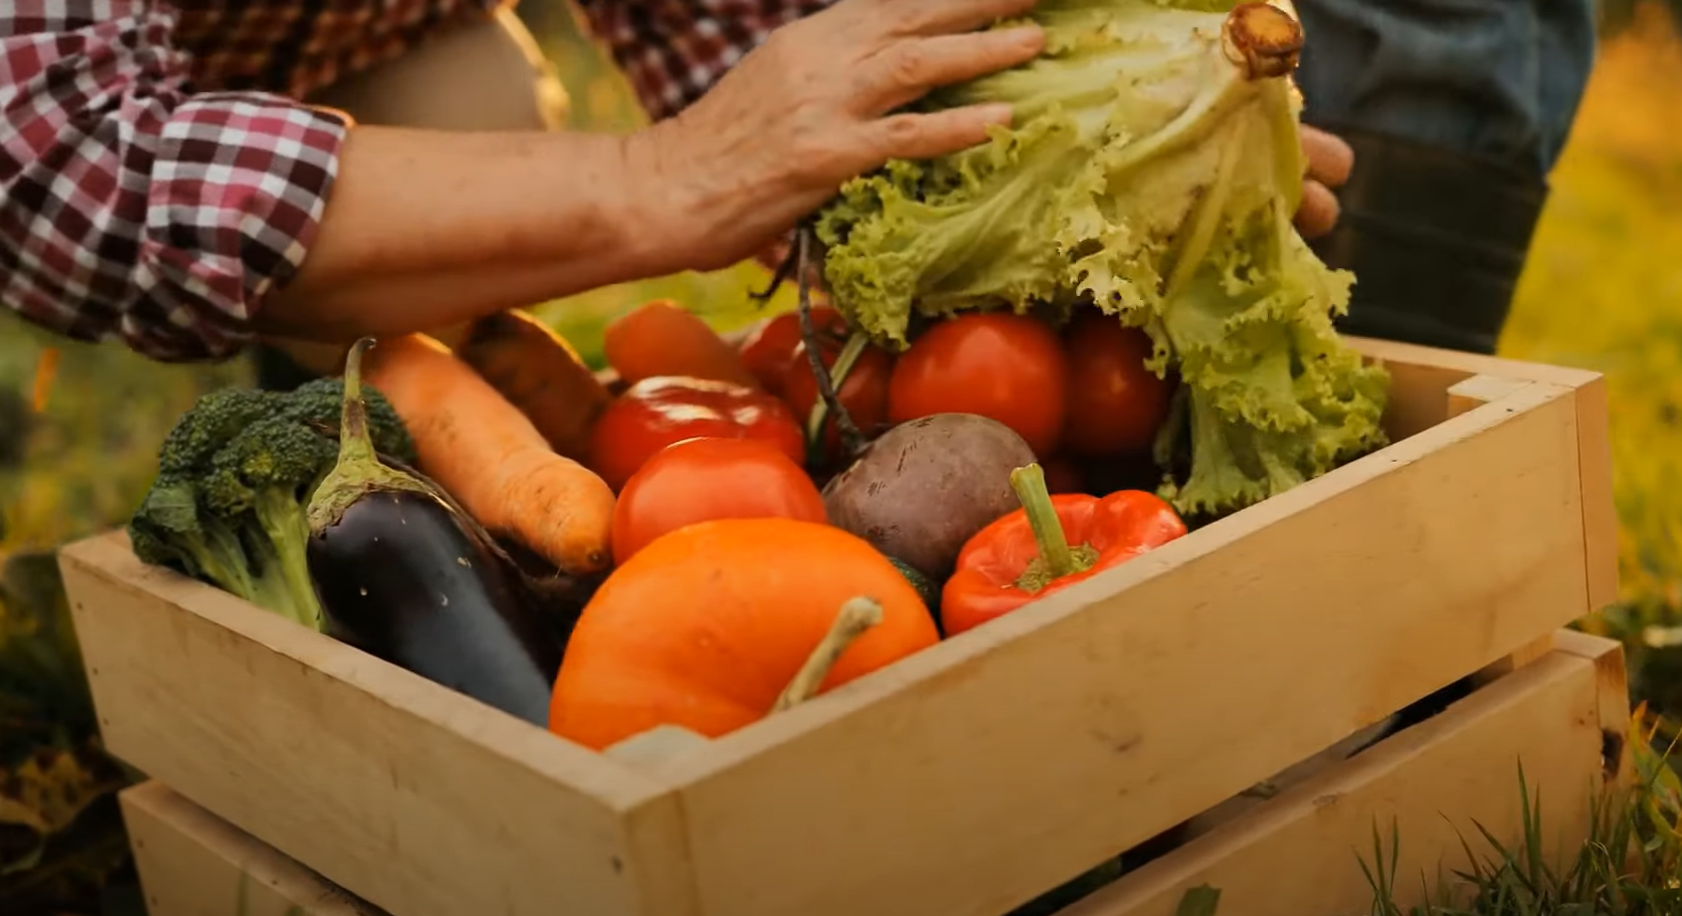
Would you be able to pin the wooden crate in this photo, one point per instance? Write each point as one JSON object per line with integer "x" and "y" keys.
{"x": 193, "y": 863}
{"x": 962, "y": 781}
{"x": 1294, "y": 854}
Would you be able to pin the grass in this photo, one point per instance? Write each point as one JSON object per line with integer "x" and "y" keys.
{"x": 1630, "y": 864}
{"x": 1601, "y": 290}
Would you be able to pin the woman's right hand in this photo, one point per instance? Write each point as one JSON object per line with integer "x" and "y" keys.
{"x": 812, "y": 107}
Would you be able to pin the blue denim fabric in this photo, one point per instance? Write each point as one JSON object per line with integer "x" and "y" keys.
{"x": 1496, "y": 78}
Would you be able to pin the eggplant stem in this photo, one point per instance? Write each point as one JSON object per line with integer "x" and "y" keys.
{"x": 855, "y": 617}
{"x": 359, "y": 470}
{"x": 851, "y": 439}
{"x": 1029, "y": 484}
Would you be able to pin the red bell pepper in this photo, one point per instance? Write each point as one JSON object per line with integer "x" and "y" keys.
{"x": 1026, "y": 555}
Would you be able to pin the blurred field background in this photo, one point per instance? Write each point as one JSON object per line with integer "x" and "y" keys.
{"x": 1603, "y": 290}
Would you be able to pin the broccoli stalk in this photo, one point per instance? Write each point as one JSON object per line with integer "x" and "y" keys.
{"x": 236, "y": 475}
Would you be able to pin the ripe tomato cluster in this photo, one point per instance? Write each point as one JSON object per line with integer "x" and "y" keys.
{"x": 1075, "y": 395}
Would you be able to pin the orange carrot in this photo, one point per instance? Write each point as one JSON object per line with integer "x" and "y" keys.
{"x": 541, "y": 374}
{"x": 476, "y": 445}
{"x": 46, "y": 369}
{"x": 663, "y": 338}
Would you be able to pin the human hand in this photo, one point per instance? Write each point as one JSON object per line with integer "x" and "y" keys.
{"x": 1329, "y": 163}
{"x": 812, "y": 107}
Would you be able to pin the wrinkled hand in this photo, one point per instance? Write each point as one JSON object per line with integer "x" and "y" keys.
{"x": 812, "y": 107}
{"x": 1329, "y": 163}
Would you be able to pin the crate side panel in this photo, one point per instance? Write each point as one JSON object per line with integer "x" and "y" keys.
{"x": 193, "y": 863}
{"x": 418, "y": 799}
{"x": 1300, "y": 853}
{"x": 1103, "y": 715}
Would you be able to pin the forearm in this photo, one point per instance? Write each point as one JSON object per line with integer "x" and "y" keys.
{"x": 427, "y": 229}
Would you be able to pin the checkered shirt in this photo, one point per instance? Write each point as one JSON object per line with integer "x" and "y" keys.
{"x": 158, "y": 178}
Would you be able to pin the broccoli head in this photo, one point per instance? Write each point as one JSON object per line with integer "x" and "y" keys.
{"x": 319, "y": 402}
{"x": 235, "y": 475}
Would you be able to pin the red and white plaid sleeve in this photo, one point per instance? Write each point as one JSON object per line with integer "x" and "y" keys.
{"x": 133, "y": 209}
{"x": 673, "y": 51}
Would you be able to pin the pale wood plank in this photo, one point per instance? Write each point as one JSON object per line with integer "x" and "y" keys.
{"x": 1419, "y": 369}
{"x": 1600, "y": 511}
{"x": 193, "y": 863}
{"x": 414, "y": 797}
{"x": 1296, "y": 855}
{"x": 1099, "y": 717}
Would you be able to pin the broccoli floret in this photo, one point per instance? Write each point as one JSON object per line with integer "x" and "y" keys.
{"x": 215, "y": 420}
{"x": 235, "y": 475}
{"x": 171, "y": 530}
{"x": 320, "y": 402}
{"x": 264, "y": 477}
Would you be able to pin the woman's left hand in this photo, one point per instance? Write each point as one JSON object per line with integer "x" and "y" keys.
{"x": 1329, "y": 163}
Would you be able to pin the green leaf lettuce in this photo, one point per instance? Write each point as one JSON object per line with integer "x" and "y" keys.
{"x": 1152, "y": 171}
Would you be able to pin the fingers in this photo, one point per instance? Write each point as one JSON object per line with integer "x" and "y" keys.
{"x": 925, "y": 136}
{"x": 1319, "y": 211}
{"x": 1330, "y": 160}
{"x": 940, "y": 17}
{"x": 908, "y": 69}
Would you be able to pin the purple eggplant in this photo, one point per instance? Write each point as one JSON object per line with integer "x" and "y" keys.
{"x": 404, "y": 575}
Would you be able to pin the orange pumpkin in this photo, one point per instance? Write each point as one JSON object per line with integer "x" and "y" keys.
{"x": 706, "y": 626}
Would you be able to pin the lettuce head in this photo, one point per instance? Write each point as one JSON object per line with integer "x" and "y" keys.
{"x": 1151, "y": 171}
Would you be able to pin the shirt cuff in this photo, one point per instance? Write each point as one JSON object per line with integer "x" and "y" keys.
{"x": 238, "y": 185}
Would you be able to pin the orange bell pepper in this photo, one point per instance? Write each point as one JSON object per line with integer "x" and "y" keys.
{"x": 1026, "y": 555}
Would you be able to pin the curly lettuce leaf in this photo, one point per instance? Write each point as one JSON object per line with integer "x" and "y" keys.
{"x": 1150, "y": 172}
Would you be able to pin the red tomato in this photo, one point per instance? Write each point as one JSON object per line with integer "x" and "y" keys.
{"x": 1062, "y": 476}
{"x": 864, "y": 392}
{"x": 657, "y": 412}
{"x": 1006, "y": 367}
{"x": 769, "y": 350}
{"x": 1115, "y": 403}
{"x": 698, "y": 480}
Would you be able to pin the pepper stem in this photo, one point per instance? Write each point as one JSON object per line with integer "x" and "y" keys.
{"x": 359, "y": 470}
{"x": 1029, "y": 484}
{"x": 856, "y": 616}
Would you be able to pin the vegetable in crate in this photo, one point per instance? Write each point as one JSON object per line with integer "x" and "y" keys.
{"x": 656, "y": 412}
{"x": 487, "y": 455}
{"x": 769, "y": 349}
{"x": 1005, "y": 367}
{"x": 407, "y": 578}
{"x": 662, "y": 338}
{"x": 1049, "y": 544}
{"x": 699, "y": 480}
{"x": 539, "y": 373}
{"x": 862, "y": 392}
{"x": 924, "y": 488}
{"x": 706, "y": 627}
{"x": 234, "y": 475}
{"x": 1152, "y": 171}
{"x": 1116, "y": 406}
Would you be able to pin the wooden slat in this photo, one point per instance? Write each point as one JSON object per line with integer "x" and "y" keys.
{"x": 193, "y": 863}
{"x": 1420, "y": 368}
{"x": 1296, "y": 854}
{"x": 419, "y": 799}
{"x": 1098, "y": 717}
